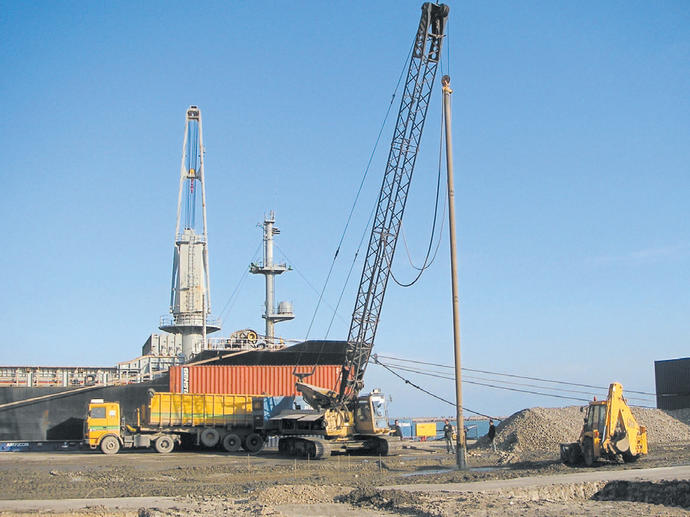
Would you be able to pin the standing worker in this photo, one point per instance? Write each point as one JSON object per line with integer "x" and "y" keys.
{"x": 448, "y": 435}
{"x": 397, "y": 430}
{"x": 492, "y": 434}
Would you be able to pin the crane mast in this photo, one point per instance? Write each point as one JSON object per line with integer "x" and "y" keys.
{"x": 421, "y": 73}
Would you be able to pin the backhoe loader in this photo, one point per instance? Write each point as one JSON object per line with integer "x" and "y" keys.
{"x": 610, "y": 431}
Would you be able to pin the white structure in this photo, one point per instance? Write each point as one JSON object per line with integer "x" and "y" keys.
{"x": 163, "y": 345}
{"x": 270, "y": 270}
{"x": 190, "y": 297}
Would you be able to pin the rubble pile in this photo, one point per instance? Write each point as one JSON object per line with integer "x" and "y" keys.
{"x": 668, "y": 493}
{"x": 661, "y": 427}
{"x": 543, "y": 429}
{"x": 539, "y": 429}
{"x": 680, "y": 414}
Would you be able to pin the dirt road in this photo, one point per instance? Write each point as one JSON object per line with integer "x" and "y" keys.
{"x": 143, "y": 483}
{"x": 593, "y": 476}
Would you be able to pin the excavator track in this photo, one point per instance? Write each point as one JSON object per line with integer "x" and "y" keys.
{"x": 310, "y": 448}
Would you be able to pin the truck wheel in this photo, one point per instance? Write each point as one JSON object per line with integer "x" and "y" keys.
{"x": 588, "y": 452}
{"x": 164, "y": 444}
{"x": 232, "y": 442}
{"x": 110, "y": 445}
{"x": 282, "y": 445}
{"x": 253, "y": 443}
{"x": 209, "y": 437}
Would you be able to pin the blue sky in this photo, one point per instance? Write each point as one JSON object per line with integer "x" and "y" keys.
{"x": 571, "y": 128}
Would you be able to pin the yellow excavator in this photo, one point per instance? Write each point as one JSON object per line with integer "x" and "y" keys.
{"x": 610, "y": 431}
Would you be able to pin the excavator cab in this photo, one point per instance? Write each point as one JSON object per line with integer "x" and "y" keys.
{"x": 595, "y": 425}
{"x": 371, "y": 415}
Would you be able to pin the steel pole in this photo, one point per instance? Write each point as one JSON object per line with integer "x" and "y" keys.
{"x": 460, "y": 448}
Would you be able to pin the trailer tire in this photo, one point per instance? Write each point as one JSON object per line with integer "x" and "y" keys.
{"x": 282, "y": 445}
{"x": 110, "y": 445}
{"x": 232, "y": 442}
{"x": 253, "y": 443}
{"x": 209, "y": 437}
{"x": 164, "y": 444}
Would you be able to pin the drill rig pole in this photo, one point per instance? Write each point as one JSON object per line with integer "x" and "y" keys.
{"x": 460, "y": 448}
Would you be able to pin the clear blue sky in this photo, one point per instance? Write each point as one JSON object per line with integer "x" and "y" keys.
{"x": 572, "y": 162}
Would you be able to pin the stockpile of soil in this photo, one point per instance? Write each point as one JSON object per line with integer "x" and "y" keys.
{"x": 543, "y": 429}
{"x": 662, "y": 427}
{"x": 303, "y": 494}
{"x": 538, "y": 429}
{"x": 668, "y": 493}
{"x": 680, "y": 414}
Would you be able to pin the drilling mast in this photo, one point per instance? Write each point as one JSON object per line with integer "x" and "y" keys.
{"x": 426, "y": 54}
{"x": 190, "y": 294}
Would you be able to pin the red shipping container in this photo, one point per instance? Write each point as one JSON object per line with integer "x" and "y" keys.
{"x": 272, "y": 381}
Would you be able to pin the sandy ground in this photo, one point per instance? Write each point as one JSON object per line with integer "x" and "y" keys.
{"x": 144, "y": 483}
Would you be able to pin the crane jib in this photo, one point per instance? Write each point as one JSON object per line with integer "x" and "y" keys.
{"x": 392, "y": 197}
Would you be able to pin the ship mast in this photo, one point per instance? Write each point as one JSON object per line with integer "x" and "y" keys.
{"x": 190, "y": 293}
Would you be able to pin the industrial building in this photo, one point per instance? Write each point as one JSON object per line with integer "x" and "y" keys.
{"x": 672, "y": 383}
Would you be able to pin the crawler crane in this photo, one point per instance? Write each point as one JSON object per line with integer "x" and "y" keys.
{"x": 341, "y": 417}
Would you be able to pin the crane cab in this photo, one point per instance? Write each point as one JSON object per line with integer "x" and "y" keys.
{"x": 371, "y": 414}
{"x": 594, "y": 427}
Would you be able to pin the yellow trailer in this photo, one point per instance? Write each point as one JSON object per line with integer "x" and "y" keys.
{"x": 233, "y": 421}
{"x": 203, "y": 409}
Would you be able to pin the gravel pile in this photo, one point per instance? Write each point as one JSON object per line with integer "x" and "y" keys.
{"x": 539, "y": 429}
{"x": 680, "y": 414}
{"x": 662, "y": 427}
{"x": 543, "y": 429}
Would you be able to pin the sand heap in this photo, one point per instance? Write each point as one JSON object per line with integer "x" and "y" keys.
{"x": 543, "y": 429}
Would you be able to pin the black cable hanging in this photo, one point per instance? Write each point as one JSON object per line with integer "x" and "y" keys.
{"x": 244, "y": 276}
{"x": 512, "y": 375}
{"x": 359, "y": 191}
{"x": 465, "y": 378}
{"x": 306, "y": 280}
{"x": 427, "y": 264}
{"x": 407, "y": 381}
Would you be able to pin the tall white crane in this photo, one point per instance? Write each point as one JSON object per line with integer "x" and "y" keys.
{"x": 190, "y": 294}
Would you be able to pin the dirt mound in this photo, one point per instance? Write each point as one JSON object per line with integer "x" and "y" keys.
{"x": 668, "y": 493}
{"x": 538, "y": 429}
{"x": 392, "y": 500}
{"x": 542, "y": 429}
{"x": 303, "y": 494}
{"x": 662, "y": 427}
{"x": 680, "y": 414}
